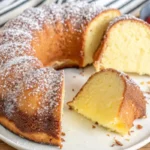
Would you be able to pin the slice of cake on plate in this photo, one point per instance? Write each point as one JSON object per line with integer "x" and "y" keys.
{"x": 112, "y": 99}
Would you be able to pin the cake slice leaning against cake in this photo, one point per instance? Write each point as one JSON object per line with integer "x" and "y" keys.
{"x": 126, "y": 46}
{"x": 111, "y": 99}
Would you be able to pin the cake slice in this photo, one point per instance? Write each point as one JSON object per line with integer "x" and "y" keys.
{"x": 111, "y": 99}
{"x": 126, "y": 46}
{"x": 94, "y": 31}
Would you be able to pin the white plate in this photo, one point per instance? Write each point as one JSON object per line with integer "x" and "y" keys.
{"x": 79, "y": 132}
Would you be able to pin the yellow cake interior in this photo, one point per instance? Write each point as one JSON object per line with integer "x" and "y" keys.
{"x": 100, "y": 101}
{"x": 94, "y": 33}
{"x": 127, "y": 48}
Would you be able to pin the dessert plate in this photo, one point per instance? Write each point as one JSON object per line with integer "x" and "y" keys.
{"x": 79, "y": 132}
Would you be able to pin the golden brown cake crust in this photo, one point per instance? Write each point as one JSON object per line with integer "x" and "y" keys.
{"x": 134, "y": 103}
{"x": 41, "y": 137}
{"x": 97, "y": 57}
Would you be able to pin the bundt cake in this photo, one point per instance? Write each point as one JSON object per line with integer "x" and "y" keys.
{"x": 59, "y": 36}
{"x": 51, "y": 36}
{"x": 125, "y": 46}
{"x": 111, "y": 99}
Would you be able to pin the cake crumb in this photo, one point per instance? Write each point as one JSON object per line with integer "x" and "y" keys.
{"x": 148, "y": 82}
{"x": 70, "y": 108}
{"x": 93, "y": 126}
{"x": 144, "y": 117}
{"x": 107, "y": 134}
{"x": 62, "y": 140}
{"x": 73, "y": 90}
{"x": 131, "y": 131}
{"x": 96, "y": 123}
{"x": 141, "y": 83}
{"x": 139, "y": 127}
{"x": 61, "y": 146}
{"x": 118, "y": 143}
{"x": 112, "y": 145}
{"x": 81, "y": 73}
{"x": 147, "y": 92}
{"x": 63, "y": 133}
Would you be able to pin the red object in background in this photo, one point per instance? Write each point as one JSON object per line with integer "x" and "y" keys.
{"x": 148, "y": 19}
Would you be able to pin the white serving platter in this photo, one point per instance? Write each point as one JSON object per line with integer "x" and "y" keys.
{"x": 79, "y": 132}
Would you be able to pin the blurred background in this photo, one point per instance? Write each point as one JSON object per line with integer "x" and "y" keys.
{"x": 11, "y": 8}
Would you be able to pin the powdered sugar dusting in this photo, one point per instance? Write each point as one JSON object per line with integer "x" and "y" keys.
{"x": 45, "y": 82}
{"x": 14, "y": 35}
{"x": 23, "y": 61}
{"x": 124, "y": 17}
{"x": 30, "y": 20}
{"x": 81, "y": 13}
{"x": 55, "y": 13}
{"x": 25, "y": 73}
{"x": 48, "y": 83}
{"x": 11, "y": 76}
{"x": 11, "y": 50}
{"x": 78, "y": 14}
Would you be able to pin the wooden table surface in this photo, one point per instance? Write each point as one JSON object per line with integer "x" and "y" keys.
{"x": 4, "y": 146}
